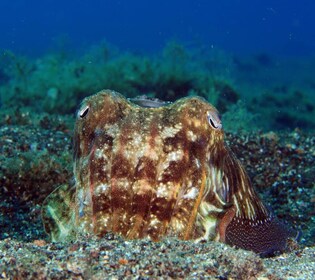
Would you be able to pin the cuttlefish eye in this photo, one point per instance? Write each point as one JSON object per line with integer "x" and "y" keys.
{"x": 84, "y": 111}
{"x": 214, "y": 120}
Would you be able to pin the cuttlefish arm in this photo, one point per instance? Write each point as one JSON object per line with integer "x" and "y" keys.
{"x": 57, "y": 217}
{"x": 247, "y": 223}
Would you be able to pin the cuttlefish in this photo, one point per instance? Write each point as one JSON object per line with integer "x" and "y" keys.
{"x": 144, "y": 168}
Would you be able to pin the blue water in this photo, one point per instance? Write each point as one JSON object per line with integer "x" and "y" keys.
{"x": 260, "y": 52}
{"x": 283, "y": 27}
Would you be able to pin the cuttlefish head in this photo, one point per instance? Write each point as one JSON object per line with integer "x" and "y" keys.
{"x": 146, "y": 168}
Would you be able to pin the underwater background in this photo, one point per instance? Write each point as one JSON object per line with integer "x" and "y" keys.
{"x": 253, "y": 57}
{"x": 253, "y": 60}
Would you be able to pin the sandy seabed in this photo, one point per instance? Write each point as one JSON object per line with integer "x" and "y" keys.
{"x": 37, "y": 158}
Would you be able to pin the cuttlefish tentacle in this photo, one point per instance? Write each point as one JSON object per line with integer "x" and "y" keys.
{"x": 58, "y": 219}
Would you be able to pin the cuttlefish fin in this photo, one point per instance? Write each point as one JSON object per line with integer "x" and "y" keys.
{"x": 249, "y": 224}
{"x": 224, "y": 220}
{"x": 58, "y": 214}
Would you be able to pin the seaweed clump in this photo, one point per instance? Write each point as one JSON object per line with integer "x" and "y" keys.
{"x": 58, "y": 82}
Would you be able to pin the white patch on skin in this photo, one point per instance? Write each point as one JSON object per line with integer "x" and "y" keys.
{"x": 104, "y": 219}
{"x": 191, "y": 136}
{"x": 139, "y": 147}
{"x": 151, "y": 152}
{"x": 99, "y": 153}
{"x": 240, "y": 195}
{"x": 197, "y": 163}
{"x": 175, "y": 156}
{"x": 177, "y": 225}
{"x": 136, "y": 139}
{"x": 209, "y": 224}
{"x": 105, "y": 168}
{"x": 128, "y": 155}
{"x": 193, "y": 192}
{"x": 170, "y": 131}
{"x": 123, "y": 184}
{"x": 153, "y": 221}
{"x": 206, "y": 208}
{"x": 164, "y": 165}
{"x": 102, "y": 188}
{"x": 195, "y": 122}
{"x": 161, "y": 191}
{"x": 250, "y": 209}
{"x": 141, "y": 166}
{"x": 112, "y": 130}
{"x": 238, "y": 212}
{"x": 161, "y": 168}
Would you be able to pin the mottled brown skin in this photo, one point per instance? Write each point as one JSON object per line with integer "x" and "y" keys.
{"x": 155, "y": 172}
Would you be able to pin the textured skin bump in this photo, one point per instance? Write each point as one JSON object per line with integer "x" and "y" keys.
{"x": 151, "y": 169}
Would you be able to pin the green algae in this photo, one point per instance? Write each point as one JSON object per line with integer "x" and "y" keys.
{"x": 56, "y": 83}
